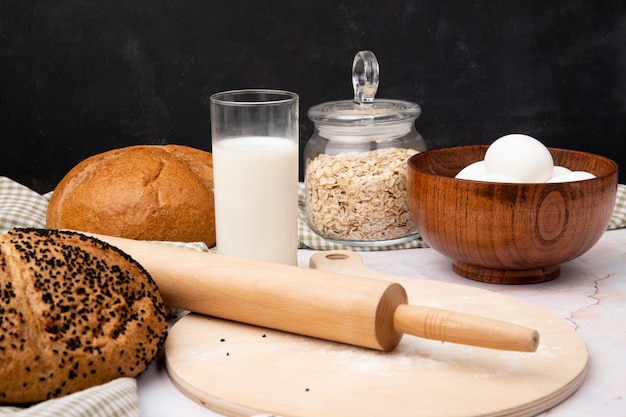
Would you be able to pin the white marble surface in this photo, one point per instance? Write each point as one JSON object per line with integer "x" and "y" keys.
{"x": 590, "y": 294}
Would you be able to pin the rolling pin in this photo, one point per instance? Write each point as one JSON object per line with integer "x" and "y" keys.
{"x": 345, "y": 308}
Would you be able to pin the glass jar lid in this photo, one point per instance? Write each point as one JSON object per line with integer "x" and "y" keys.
{"x": 364, "y": 109}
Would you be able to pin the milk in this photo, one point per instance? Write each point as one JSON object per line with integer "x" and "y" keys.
{"x": 256, "y": 198}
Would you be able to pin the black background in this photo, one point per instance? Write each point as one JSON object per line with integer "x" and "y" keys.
{"x": 81, "y": 77}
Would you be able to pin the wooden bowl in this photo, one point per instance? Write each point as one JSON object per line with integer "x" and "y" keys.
{"x": 509, "y": 233}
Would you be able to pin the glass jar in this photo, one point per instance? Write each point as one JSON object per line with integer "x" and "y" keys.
{"x": 355, "y": 164}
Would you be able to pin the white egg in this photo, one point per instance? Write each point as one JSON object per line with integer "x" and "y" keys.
{"x": 572, "y": 176}
{"x": 500, "y": 178}
{"x": 519, "y": 156}
{"x": 475, "y": 172}
{"x": 559, "y": 170}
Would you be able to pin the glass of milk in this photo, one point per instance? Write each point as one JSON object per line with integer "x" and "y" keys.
{"x": 254, "y": 137}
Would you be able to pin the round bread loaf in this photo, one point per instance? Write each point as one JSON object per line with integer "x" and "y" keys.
{"x": 145, "y": 192}
{"x": 75, "y": 312}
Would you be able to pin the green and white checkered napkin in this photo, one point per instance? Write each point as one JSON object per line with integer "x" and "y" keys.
{"x": 22, "y": 207}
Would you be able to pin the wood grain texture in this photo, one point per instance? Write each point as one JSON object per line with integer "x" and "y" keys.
{"x": 351, "y": 310}
{"x": 509, "y": 233}
{"x": 242, "y": 370}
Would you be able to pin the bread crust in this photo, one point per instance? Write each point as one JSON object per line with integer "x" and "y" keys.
{"x": 75, "y": 312}
{"x": 145, "y": 192}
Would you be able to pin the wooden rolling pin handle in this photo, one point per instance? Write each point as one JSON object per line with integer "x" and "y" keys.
{"x": 451, "y": 326}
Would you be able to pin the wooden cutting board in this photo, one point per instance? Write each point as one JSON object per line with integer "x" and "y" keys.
{"x": 241, "y": 370}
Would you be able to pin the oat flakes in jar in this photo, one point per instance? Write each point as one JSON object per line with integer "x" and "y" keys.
{"x": 355, "y": 164}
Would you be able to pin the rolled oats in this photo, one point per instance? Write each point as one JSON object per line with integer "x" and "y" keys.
{"x": 359, "y": 196}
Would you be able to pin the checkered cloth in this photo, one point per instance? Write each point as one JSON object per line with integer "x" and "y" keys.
{"x": 618, "y": 219}
{"x": 22, "y": 207}
{"x": 117, "y": 398}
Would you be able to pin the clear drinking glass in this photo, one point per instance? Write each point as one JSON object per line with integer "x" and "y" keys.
{"x": 255, "y": 169}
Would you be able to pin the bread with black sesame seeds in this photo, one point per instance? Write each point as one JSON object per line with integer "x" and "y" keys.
{"x": 75, "y": 312}
{"x": 143, "y": 192}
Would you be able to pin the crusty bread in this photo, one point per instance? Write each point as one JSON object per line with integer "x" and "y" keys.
{"x": 74, "y": 312}
{"x": 146, "y": 192}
